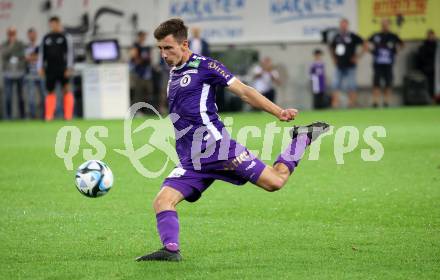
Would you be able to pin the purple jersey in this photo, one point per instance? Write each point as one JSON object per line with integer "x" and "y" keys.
{"x": 317, "y": 75}
{"x": 191, "y": 99}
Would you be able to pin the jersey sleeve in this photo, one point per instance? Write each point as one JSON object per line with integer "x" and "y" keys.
{"x": 217, "y": 74}
{"x": 357, "y": 39}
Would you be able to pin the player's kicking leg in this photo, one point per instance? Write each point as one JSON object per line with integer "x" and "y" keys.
{"x": 274, "y": 178}
{"x": 167, "y": 225}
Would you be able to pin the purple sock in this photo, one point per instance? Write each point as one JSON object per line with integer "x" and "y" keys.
{"x": 294, "y": 152}
{"x": 168, "y": 228}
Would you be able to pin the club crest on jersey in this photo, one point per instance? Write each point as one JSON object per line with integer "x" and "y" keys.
{"x": 185, "y": 80}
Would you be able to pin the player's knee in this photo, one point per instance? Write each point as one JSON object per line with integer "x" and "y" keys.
{"x": 163, "y": 203}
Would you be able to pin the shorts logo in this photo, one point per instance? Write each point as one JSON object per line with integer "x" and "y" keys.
{"x": 177, "y": 172}
{"x": 185, "y": 80}
{"x": 232, "y": 165}
{"x": 251, "y": 165}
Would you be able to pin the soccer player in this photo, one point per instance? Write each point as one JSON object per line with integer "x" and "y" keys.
{"x": 55, "y": 63}
{"x": 205, "y": 149}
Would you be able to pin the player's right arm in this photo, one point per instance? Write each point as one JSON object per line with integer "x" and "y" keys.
{"x": 217, "y": 74}
{"x": 257, "y": 100}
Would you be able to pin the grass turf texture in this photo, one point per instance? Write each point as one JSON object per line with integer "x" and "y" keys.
{"x": 364, "y": 220}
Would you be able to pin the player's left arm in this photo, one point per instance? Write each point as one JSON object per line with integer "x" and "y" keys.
{"x": 257, "y": 100}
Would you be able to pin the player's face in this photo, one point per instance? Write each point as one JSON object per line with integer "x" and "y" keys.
{"x": 171, "y": 50}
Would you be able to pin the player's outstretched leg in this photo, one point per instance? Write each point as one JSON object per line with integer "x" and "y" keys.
{"x": 302, "y": 137}
{"x": 274, "y": 178}
{"x": 167, "y": 226}
{"x": 313, "y": 130}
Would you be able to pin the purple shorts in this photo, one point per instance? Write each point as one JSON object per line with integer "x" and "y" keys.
{"x": 238, "y": 170}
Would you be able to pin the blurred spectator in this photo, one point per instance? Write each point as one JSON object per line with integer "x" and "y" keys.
{"x": 264, "y": 78}
{"x": 383, "y": 45}
{"x": 141, "y": 69}
{"x": 197, "y": 44}
{"x": 426, "y": 59}
{"x": 55, "y": 63}
{"x": 33, "y": 81}
{"x": 317, "y": 76}
{"x": 13, "y": 72}
{"x": 345, "y": 56}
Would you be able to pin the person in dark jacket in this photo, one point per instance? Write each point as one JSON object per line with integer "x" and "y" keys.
{"x": 55, "y": 64}
{"x": 426, "y": 59}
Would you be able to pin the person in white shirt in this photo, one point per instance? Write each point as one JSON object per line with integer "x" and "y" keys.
{"x": 197, "y": 44}
{"x": 265, "y": 76}
{"x": 33, "y": 81}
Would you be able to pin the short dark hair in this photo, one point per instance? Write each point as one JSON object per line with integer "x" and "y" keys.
{"x": 54, "y": 18}
{"x": 141, "y": 33}
{"x": 30, "y": 30}
{"x": 317, "y": 52}
{"x": 175, "y": 27}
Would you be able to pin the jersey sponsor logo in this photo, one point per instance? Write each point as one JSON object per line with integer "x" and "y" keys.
{"x": 185, "y": 80}
{"x": 194, "y": 63}
{"x": 216, "y": 67}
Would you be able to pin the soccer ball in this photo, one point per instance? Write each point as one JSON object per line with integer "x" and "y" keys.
{"x": 93, "y": 178}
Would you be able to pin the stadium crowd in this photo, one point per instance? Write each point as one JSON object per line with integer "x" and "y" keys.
{"x": 31, "y": 71}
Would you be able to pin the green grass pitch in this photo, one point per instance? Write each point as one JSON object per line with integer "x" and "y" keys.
{"x": 360, "y": 220}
